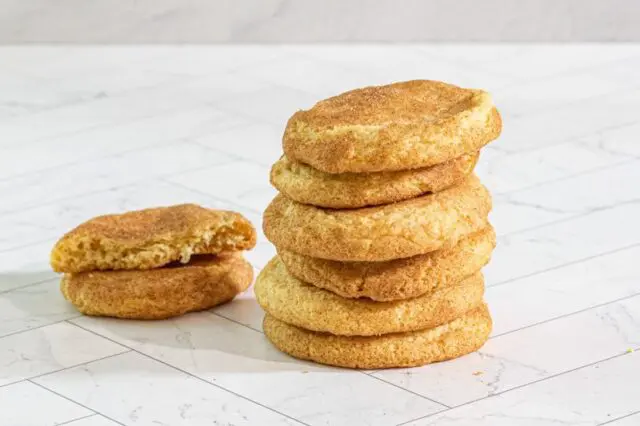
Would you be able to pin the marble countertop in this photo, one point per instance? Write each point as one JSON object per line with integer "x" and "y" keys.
{"x": 89, "y": 130}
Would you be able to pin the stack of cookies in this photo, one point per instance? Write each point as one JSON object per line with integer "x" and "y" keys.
{"x": 155, "y": 263}
{"x": 381, "y": 228}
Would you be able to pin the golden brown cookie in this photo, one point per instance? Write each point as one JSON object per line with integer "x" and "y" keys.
{"x": 395, "y": 279}
{"x": 312, "y": 308}
{"x": 307, "y": 185}
{"x": 399, "y": 126}
{"x": 160, "y": 293}
{"x": 393, "y": 231}
{"x": 459, "y": 337}
{"x": 151, "y": 238}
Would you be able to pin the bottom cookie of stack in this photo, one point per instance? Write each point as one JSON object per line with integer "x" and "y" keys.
{"x": 312, "y": 323}
{"x": 454, "y": 339}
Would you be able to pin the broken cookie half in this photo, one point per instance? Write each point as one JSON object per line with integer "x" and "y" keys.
{"x": 151, "y": 238}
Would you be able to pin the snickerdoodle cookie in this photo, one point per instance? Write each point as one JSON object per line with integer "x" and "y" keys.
{"x": 399, "y": 126}
{"x": 151, "y": 238}
{"x": 404, "y": 229}
{"x": 312, "y": 308}
{"x": 304, "y": 184}
{"x": 456, "y": 338}
{"x": 204, "y": 282}
{"x": 395, "y": 279}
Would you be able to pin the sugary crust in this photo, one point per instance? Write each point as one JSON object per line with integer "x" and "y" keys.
{"x": 160, "y": 293}
{"x": 151, "y": 238}
{"x": 306, "y": 185}
{"x": 312, "y": 308}
{"x": 393, "y": 231}
{"x": 400, "y": 126}
{"x": 395, "y": 279}
{"x": 459, "y": 337}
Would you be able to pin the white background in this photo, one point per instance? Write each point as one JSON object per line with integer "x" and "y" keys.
{"x": 201, "y": 21}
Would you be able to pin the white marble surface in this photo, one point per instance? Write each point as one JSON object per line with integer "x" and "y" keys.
{"x": 84, "y": 131}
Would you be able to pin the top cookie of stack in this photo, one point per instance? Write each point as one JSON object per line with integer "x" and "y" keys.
{"x": 384, "y": 144}
{"x": 379, "y": 211}
{"x": 407, "y": 148}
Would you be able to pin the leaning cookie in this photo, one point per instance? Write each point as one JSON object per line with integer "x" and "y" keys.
{"x": 151, "y": 238}
{"x": 393, "y": 231}
{"x": 160, "y": 293}
{"x": 312, "y": 308}
{"x": 399, "y": 126}
{"x": 307, "y": 185}
{"x": 459, "y": 337}
{"x": 395, "y": 279}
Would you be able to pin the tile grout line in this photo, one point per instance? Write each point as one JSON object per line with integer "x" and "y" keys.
{"x": 576, "y": 138}
{"x": 567, "y": 105}
{"x": 185, "y": 80}
{"x": 534, "y": 325}
{"x": 405, "y": 389}
{"x": 220, "y": 106}
{"x": 12, "y": 248}
{"x": 39, "y": 327}
{"x": 94, "y": 159}
{"x": 156, "y": 179}
{"x": 67, "y": 368}
{"x": 600, "y": 305}
{"x": 230, "y": 154}
{"x": 613, "y": 94}
{"x": 222, "y": 200}
{"x": 235, "y": 322}
{"x": 571, "y": 263}
{"x": 125, "y": 350}
{"x": 75, "y": 420}
{"x": 624, "y": 162}
{"x": 159, "y": 177}
{"x": 358, "y": 371}
{"x": 519, "y": 387}
{"x": 619, "y": 418}
{"x": 29, "y": 285}
{"x": 566, "y": 218}
{"x": 189, "y": 374}
{"x": 234, "y": 155}
{"x": 75, "y": 402}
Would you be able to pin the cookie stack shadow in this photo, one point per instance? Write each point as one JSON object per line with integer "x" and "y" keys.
{"x": 381, "y": 228}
